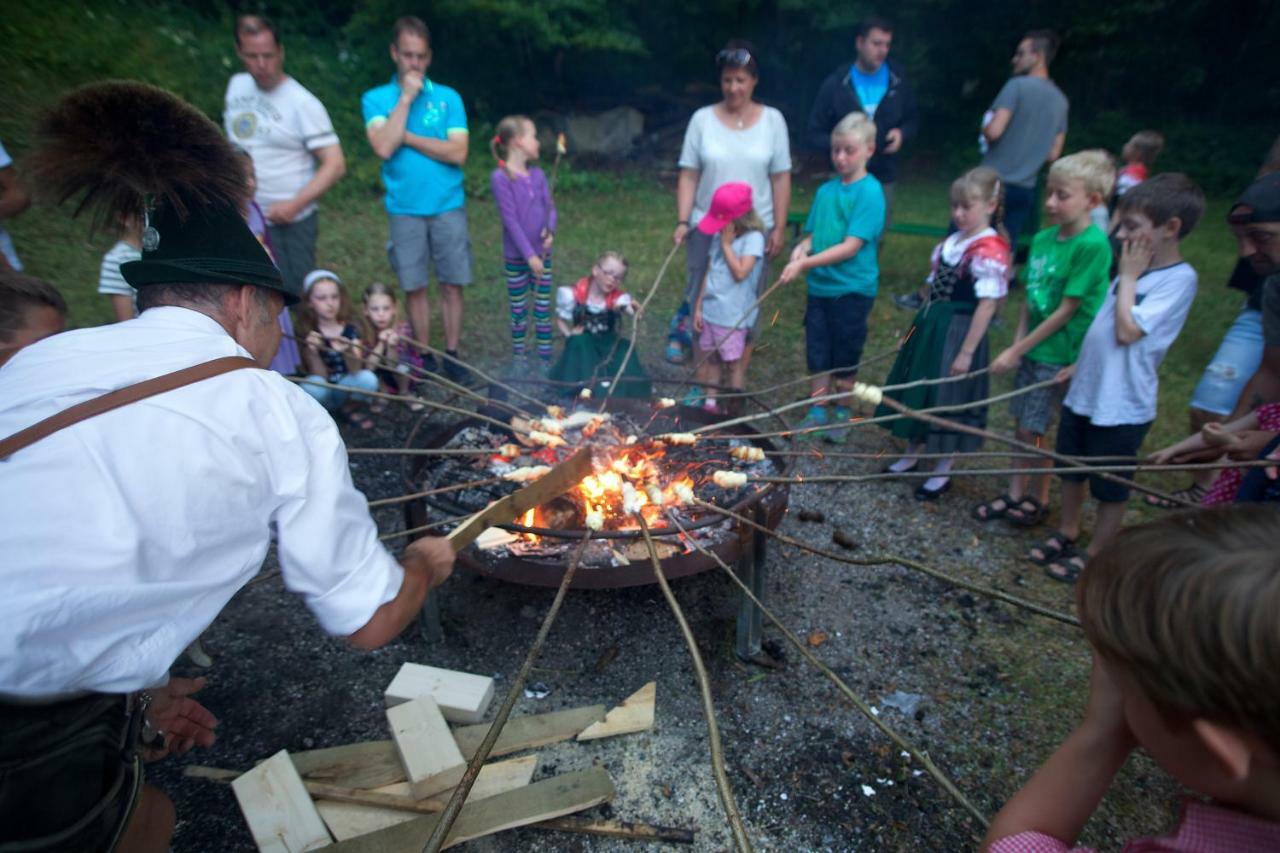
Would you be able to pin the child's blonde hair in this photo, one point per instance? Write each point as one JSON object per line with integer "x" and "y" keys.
{"x": 617, "y": 256}
{"x": 376, "y": 288}
{"x": 982, "y": 184}
{"x": 1094, "y": 168}
{"x": 508, "y": 129}
{"x": 857, "y": 125}
{"x": 1186, "y": 607}
{"x": 747, "y": 222}
{"x": 1146, "y": 146}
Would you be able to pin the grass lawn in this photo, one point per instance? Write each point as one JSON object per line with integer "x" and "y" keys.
{"x": 633, "y": 213}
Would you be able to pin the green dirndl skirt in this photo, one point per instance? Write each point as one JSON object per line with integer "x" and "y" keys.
{"x": 934, "y": 341}
{"x": 590, "y": 360}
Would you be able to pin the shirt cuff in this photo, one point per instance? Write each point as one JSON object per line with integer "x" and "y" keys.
{"x": 348, "y": 607}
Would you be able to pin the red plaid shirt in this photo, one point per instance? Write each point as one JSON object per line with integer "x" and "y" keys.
{"x": 1203, "y": 828}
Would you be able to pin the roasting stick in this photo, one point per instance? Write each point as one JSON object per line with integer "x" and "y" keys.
{"x": 450, "y": 814}
{"x": 635, "y": 326}
{"x": 708, "y": 709}
{"x": 422, "y": 451}
{"x": 422, "y": 529}
{"x": 769, "y": 389}
{"x": 1148, "y": 467}
{"x": 932, "y": 769}
{"x": 882, "y": 559}
{"x": 698, "y": 362}
{"x": 477, "y": 371}
{"x": 456, "y": 487}
{"x": 820, "y": 453}
{"x": 404, "y": 398}
{"x": 423, "y": 377}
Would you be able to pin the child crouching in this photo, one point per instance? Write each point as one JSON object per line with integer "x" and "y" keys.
{"x": 1181, "y": 617}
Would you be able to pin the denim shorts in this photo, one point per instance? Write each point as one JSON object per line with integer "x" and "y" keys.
{"x": 1231, "y": 367}
{"x": 420, "y": 242}
{"x": 835, "y": 329}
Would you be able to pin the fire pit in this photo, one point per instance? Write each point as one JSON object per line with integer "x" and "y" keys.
{"x": 641, "y": 467}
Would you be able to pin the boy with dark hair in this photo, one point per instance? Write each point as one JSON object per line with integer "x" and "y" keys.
{"x": 1181, "y": 617}
{"x": 30, "y": 310}
{"x": 1112, "y": 400}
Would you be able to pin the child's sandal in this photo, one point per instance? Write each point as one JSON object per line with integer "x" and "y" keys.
{"x": 1056, "y": 546}
{"x": 1026, "y": 512}
{"x": 1067, "y": 568}
{"x": 987, "y": 511}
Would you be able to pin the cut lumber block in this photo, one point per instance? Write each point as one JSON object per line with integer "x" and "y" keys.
{"x": 530, "y": 731}
{"x": 349, "y": 819}
{"x": 278, "y": 809}
{"x": 635, "y": 714}
{"x": 432, "y": 762}
{"x": 462, "y": 697}
{"x": 560, "y": 795}
{"x": 353, "y": 765}
{"x": 494, "y": 537}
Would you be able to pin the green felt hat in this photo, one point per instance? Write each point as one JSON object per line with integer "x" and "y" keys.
{"x": 211, "y": 245}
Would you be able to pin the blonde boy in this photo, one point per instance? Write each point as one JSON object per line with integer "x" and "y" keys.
{"x": 1066, "y": 280}
{"x": 838, "y": 260}
{"x": 1181, "y": 617}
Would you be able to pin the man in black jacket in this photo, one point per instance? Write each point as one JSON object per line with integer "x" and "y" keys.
{"x": 873, "y": 85}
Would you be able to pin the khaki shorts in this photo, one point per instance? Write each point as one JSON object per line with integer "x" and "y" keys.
{"x": 419, "y": 243}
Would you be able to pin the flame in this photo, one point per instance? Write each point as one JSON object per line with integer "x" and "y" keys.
{"x": 561, "y": 146}
{"x": 530, "y": 519}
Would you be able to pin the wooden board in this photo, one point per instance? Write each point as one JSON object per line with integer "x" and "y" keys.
{"x": 554, "y": 483}
{"x": 350, "y": 820}
{"x": 432, "y": 762}
{"x": 371, "y": 764}
{"x": 635, "y": 714}
{"x": 529, "y": 732}
{"x": 278, "y": 809}
{"x": 560, "y": 795}
{"x": 462, "y": 696}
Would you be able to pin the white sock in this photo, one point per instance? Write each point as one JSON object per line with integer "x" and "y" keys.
{"x": 906, "y": 463}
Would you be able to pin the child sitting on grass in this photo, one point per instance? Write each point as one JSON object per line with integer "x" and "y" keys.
{"x": 1180, "y": 614}
{"x": 1112, "y": 400}
{"x": 331, "y": 348}
{"x": 387, "y": 351}
{"x": 587, "y": 315}
{"x": 838, "y": 260}
{"x": 724, "y": 309}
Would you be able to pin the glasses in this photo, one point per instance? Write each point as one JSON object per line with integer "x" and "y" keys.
{"x": 613, "y": 276}
{"x": 736, "y": 57}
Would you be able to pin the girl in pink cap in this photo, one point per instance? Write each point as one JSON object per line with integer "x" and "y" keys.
{"x": 725, "y": 307}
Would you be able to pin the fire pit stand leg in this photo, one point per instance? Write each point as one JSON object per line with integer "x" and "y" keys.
{"x": 751, "y": 571}
{"x": 429, "y": 619}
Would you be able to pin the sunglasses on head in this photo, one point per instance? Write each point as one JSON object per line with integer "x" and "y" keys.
{"x": 737, "y": 57}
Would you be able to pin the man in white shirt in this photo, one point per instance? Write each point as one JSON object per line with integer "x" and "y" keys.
{"x": 287, "y": 131}
{"x": 127, "y": 532}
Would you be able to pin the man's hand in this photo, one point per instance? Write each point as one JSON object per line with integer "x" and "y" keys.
{"x": 410, "y": 85}
{"x": 432, "y": 555}
{"x": 181, "y": 721}
{"x": 1005, "y": 362}
{"x": 892, "y": 141}
{"x": 1135, "y": 257}
{"x": 283, "y": 212}
{"x": 775, "y": 242}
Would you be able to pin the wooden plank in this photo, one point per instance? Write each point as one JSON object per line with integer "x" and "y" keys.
{"x": 354, "y": 765}
{"x": 530, "y": 731}
{"x": 432, "y": 762}
{"x": 462, "y": 696}
{"x": 635, "y": 714}
{"x": 550, "y": 798}
{"x": 280, "y": 814}
{"x": 554, "y": 483}
{"x": 349, "y": 819}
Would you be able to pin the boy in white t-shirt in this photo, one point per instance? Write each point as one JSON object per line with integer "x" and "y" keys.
{"x": 1112, "y": 399}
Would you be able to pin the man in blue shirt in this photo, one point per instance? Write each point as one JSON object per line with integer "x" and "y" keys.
{"x": 419, "y": 129}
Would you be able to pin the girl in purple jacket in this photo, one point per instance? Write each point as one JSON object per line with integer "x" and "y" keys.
{"x": 528, "y": 229}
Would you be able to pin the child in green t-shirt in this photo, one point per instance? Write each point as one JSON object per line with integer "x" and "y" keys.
{"x": 1066, "y": 281}
{"x": 838, "y": 260}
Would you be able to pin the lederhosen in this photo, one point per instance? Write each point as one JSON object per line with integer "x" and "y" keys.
{"x": 71, "y": 768}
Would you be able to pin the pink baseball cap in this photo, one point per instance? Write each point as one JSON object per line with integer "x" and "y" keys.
{"x": 729, "y": 202}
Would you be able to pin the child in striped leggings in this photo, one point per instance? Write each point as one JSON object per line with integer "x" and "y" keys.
{"x": 528, "y": 229}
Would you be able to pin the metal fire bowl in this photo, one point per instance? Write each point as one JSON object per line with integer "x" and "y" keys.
{"x": 766, "y": 506}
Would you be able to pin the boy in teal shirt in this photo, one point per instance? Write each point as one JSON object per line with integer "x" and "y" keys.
{"x": 838, "y": 259}
{"x": 1067, "y": 273}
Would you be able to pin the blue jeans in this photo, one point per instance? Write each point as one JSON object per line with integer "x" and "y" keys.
{"x": 331, "y": 398}
{"x": 1232, "y": 366}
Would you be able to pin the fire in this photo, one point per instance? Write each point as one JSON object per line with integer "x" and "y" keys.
{"x": 530, "y": 519}
{"x": 631, "y": 483}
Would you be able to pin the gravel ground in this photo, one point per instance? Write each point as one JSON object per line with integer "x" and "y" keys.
{"x": 1000, "y": 687}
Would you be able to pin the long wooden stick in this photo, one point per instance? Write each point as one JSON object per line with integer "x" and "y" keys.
{"x": 427, "y": 348}
{"x": 423, "y": 451}
{"x": 884, "y": 559}
{"x": 405, "y": 398}
{"x": 450, "y": 813}
{"x": 994, "y": 472}
{"x": 422, "y": 529}
{"x": 456, "y": 487}
{"x": 708, "y": 708}
{"x": 932, "y": 769}
{"x": 635, "y": 326}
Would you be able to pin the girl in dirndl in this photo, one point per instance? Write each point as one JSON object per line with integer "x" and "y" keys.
{"x": 948, "y": 337}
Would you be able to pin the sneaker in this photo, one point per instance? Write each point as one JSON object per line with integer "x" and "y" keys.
{"x": 694, "y": 398}
{"x": 817, "y": 416}
{"x": 839, "y": 415}
{"x": 711, "y": 407}
{"x": 676, "y": 353}
{"x": 910, "y": 301}
{"x": 455, "y": 372}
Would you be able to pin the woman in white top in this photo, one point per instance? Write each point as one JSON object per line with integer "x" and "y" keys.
{"x": 736, "y": 139}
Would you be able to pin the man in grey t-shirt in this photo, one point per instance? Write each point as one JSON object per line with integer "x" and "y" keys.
{"x": 1025, "y": 126}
